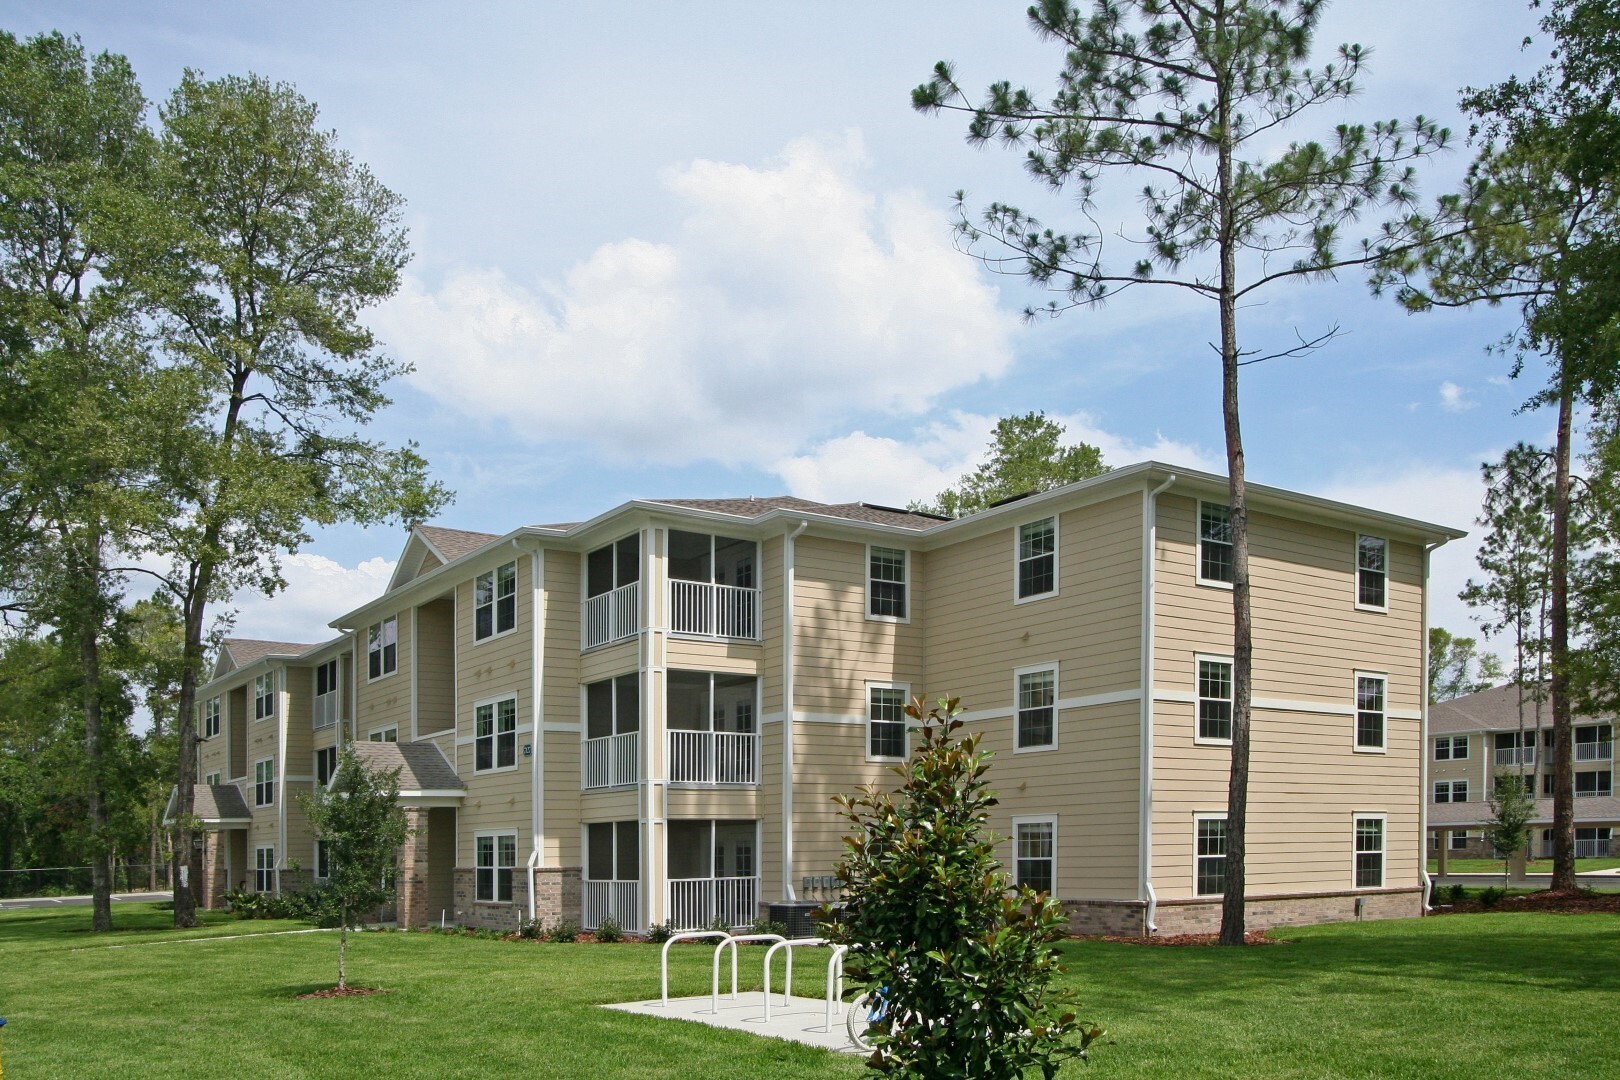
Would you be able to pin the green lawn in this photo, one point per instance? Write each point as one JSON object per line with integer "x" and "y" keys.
{"x": 1534, "y": 993}
{"x": 1534, "y": 866}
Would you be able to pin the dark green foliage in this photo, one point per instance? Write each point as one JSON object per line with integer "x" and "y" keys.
{"x": 660, "y": 932}
{"x": 1512, "y": 809}
{"x": 1026, "y": 454}
{"x": 532, "y": 929}
{"x": 610, "y": 930}
{"x": 563, "y": 930}
{"x": 966, "y": 962}
{"x": 1492, "y": 896}
{"x": 318, "y": 905}
{"x": 769, "y": 926}
{"x": 1456, "y": 894}
{"x": 1457, "y": 667}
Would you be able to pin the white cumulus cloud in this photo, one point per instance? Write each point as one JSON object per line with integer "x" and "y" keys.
{"x": 786, "y": 298}
{"x": 318, "y": 590}
{"x": 1454, "y": 398}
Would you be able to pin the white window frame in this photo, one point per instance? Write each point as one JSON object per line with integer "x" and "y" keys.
{"x": 1198, "y": 820}
{"x": 1035, "y": 819}
{"x": 904, "y": 583}
{"x": 1356, "y": 818}
{"x": 381, "y": 734}
{"x": 210, "y": 724}
{"x": 1458, "y": 841}
{"x": 1451, "y": 789}
{"x": 264, "y": 877}
{"x": 211, "y": 779}
{"x": 380, "y": 648}
{"x": 1598, "y": 792}
{"x": 336, "y": 691}
{"x": 1198, "y": 546}
{"x": 317, "y": 772}
{"x": 494, "y": 603}
{"x": 494, "y": 705}
{"x": 1019, "y": 746}
{"x": 262, "y": 784}
{"x": 264, "y": 696}
{"x": 1018, "y": 560}
{"x": 1451, "y": 743}
{"x": 495, "y": 867}
{"x": 905, "y": 723}
{"x": 1356, "y": 711}
{"x": 1200, "y": 659}
{"x": 1356, "y": 577}
{"x": 320, "y": 847}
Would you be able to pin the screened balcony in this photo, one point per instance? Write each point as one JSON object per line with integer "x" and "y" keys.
{"x": 713, "y": 739}
{"x": 612, "y": 593}
{"x": 712, "y": 590}
{"x": 712, "y": 873}
{"x": 612, "y": 751}
{"x": 1594, "y": 743}
{"x": 613, "y": 874}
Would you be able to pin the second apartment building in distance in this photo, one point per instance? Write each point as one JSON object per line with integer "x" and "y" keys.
{"x": 646, "y": 716}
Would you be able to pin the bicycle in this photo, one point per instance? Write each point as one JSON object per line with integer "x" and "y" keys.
{"x": 869, "y": 1010}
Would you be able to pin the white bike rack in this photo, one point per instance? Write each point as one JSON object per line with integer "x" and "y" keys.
{"x": 663, "y": 965}
{"x": 835, "y": 973}
{"x": 732, "y": 940}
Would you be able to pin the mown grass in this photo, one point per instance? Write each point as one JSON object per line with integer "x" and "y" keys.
{"x": 1534, "y": 866}
{"x": 1533, "y": 994}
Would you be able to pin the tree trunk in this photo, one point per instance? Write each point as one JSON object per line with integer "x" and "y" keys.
{"x": 1563, "y": 875}
{"x": 90, "y": 617}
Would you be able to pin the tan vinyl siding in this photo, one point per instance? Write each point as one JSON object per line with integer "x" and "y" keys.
{"x": 829, "y": 760}
{"x": 435, "y": 666}
{"x": 836, "y": 648}
{"x": 385, "y": 701}
{"x": 236, "y": 723}
{"x": 562, "y": 674}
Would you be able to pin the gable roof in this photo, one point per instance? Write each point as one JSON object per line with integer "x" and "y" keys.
{"x": 452, "y": 544}
{"x": 240, "y": 652}
{"x": 1496, "y": 709}
{"x": 212, "y": 804}
{"x": 754, "y": 506}
{"x": 428, "y": 547}
{"x": 422, "y": 767}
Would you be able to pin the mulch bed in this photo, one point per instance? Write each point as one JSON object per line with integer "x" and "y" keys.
{"x": 347, "y": 991}
{"x": 1577, "y": 903}
{"x": 1252, "y": 937}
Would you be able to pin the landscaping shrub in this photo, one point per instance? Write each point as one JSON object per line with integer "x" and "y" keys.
{"x": 1492, "y": 896}
{"x": 609, "y": 930}
{"x": 564, "y": 930}
{"x": 1456, "y": 893}
{"x": 720, "y": 923}
{"x": 660, "y": 932}
{"x": 769, "y": 926}
{"x": 532, "y": 929}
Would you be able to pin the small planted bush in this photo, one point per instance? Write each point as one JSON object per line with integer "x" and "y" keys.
{"x": 1492, "y": 896}
{"x": 531, "y": 929}
{"x": 660, "y": 932}
{"x": 609, "y": 930}
{"x": 769, "y": 926}
{"x": 564, "y": 930}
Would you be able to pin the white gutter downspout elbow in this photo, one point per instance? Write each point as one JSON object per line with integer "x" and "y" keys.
{"x": 534, "y": 863}
{"x": 1150, "y": 542}
{"x": 787, "y": 711}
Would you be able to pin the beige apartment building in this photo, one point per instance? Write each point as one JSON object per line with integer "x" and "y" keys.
{"x": 1476, "y": 738}
{"x": 645, "y": 716}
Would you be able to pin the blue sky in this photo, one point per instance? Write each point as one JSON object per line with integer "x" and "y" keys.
{"x": 704, "y": 250}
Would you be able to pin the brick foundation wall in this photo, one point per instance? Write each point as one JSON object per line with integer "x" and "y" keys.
{"x": 412, "y": 880}
{"x": 490, "y": 916}
{"x": 213, "y": 872}
{"x": 559, "y": 893}
{"x": 1263, "y": 912}
{"x": 1119, "y": 918}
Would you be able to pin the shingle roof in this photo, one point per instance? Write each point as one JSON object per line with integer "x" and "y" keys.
{"x": 1605, "y": 808}
{"x": 454, "y": 543}
{"x": 1496, "y": 709}
{"x": 244, "y": 651}
{"x": 856, "y": 511}
{"x": 421, "y": 765}
{"x": 212, "y": 804}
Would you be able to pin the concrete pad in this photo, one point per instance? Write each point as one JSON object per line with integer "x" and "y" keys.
{"x": 801, "y": 1020}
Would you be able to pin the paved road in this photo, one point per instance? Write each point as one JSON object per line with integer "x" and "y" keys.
{"x": 1600, "y": 880}
{"x": 79, "y": 901}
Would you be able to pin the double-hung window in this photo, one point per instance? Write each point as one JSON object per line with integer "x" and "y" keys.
{"x": 264, "y": 782}
{"x": 1209, "y": 869}
{"x": 264, "y": 869}
{"x": 1035, "y": 853}
{"x": 1450, "y": 791}
{"x": 1451, "y": 748}
{"x": 886, "y": 583}
{"x": 382, "y": 648}
{"x": 495, "y": 602}
{"x": 211, "y": 779}
{"x": 1369, "y": 852}
{"x": 387, "y": 734}
{"x": 210, "y": 724}
{"x": 1370, "y": 711}
{"x": 325, "y": 712}
{"x": 1215, "y": 565}
{"x": 1035, "y": 720}
{"x": 885, "y": 722}
{"x": 325, "y": 764}
{"x": 1037, "y": 559}
{"x": 1372, "y": 573}
{"x": 264, "y": 696}
{"x": 495, "y": 735}
{"x": 497, "y": 855}
{"x": 1459, "y": 840}
{"x": 1214, "y": 700}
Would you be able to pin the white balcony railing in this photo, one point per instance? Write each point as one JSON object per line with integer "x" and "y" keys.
{"x": 326, "y": 709}
{"x": 613, "y": 760}
{"x": 620, "y": 899}
{"x": 694, "y": 903}
{"x": 1588, "y": 751}
{"x": 1516, "y": 755}
{"x": 719, "y": 611}
{"x": 1591, "y": 849}
{"x": 713, "y": 757}
{"x": 612, "y": 616}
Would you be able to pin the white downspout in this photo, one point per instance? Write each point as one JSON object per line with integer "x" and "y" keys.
{"x": 787, "y": 711}
{"x": 281, "y": 774}
{"x": 1150, "y": 537}
{"x": 1423, "y": 748}
{"x": 537, "y": 740}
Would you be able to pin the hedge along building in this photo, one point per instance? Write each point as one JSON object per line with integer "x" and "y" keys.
{"x": 649, "y": 712}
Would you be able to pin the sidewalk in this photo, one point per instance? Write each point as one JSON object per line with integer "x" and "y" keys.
{"x": 79, "y": 901}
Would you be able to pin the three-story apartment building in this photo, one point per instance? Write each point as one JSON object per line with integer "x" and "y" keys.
{"x": 646, "y": 715}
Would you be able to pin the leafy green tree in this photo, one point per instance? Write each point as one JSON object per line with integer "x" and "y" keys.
{"x": 1191, "y": 98}
{"x": 965, "y": 964}
{"x": 1512, "y": 808}
{"x": 1026, "y": 453}
{"x": 1457, "y": 667}
{"x": 274, "y": 242}
{"x": 1541, "y": 210}
{"x": 362, "y": 825}
{"x": 82, "y": 409}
